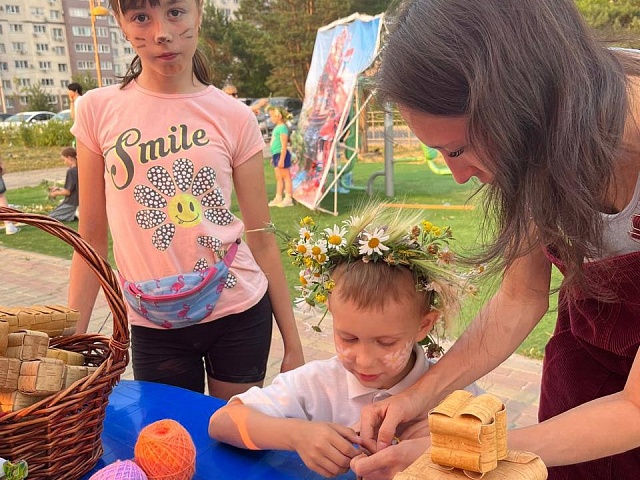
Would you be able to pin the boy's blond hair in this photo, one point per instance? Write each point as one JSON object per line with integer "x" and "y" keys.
{"x": 370, "y": 252}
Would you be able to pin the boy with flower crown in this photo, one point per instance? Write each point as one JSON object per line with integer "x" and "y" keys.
{"x": 386, "y": 279}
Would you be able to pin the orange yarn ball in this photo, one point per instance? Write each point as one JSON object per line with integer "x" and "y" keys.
{"x": 165, "y": 451}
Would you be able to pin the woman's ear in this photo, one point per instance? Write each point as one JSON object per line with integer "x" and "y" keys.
{"x": 427, "y": 322}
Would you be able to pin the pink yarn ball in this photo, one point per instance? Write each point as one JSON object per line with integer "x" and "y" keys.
{"x": 120, "y": 470}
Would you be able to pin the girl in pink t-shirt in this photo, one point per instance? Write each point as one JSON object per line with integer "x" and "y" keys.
{"x": 158, "y": 158}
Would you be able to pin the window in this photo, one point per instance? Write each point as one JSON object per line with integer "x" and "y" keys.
{"x": 19, "y": 47}
{"x": 62, "y": 67}
{"x": 36, "y": 11}
{"x": 102, "y": 32}
{"x": 12, "y": 9}
{"x": 4, "y": 66}
{"x": 80, "y": 31}
{"x": 58, "y": 50}
{"x": 57, "y": 34}
{"x": 51, "y": 100}
{"x": 21, "y": 64}
{"x": 79, "y": 12}
{"x": 6, "y": 84}
{"x": 23, "y": 82}
{"x": 37, "y": 29}
{"x": 24, "y": 100}
{"x": 44, "y": 65}
{"x": 42, "y": 47}
{"x": 83, "y": 47}
{"x": 47, "y": 82}
{"x": 54, "y": 14}
{"x": 3, "y": 48}
{"x": 106, "y": 65}
{"x": 9, "y": 102}
{"x": 104, "y": 48}
{"x": 86, "y": 65}
{"x": 15, "y": 27}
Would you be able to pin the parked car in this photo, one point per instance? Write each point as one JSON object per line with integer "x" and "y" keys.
{"x": 27, "y": 117}
{"x": 4, "y": 116}
{"x": 247, "y": 101}
{"x": 62, "y": 116}
{"x": 293, "y": 106}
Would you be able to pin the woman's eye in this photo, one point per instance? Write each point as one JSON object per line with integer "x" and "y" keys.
{"x": 386, "y": 344}
{"x": 455, "y": 154}
{"x": 140, "y": 18}
{"x": 175, "y": 13}
{"x": 349, "y": 340}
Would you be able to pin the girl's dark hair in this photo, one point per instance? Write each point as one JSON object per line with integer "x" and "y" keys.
{"x": 69, "y": 152}
{"x": 547, "y": 105}
{"x": 200, "y": 66}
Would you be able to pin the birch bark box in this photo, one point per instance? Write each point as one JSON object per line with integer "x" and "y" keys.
{"x": 516, "y": 465}
{"x": 54, "y": 320}
{"x": 41, "y": 377}
{"x": 469, "y": 432}
{"x": 27, "y": 345}
{"x": 9, "y": 373}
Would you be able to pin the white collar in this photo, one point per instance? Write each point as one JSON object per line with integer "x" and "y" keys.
{"x": 355, "y": 389}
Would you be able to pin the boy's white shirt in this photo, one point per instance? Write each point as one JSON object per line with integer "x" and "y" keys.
{"x": 324, "y": 391}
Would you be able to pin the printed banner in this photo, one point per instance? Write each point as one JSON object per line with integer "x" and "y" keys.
{"x": 342, "y": 51}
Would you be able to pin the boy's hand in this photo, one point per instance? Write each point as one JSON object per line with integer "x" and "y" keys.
{"x": 326, "y": 448}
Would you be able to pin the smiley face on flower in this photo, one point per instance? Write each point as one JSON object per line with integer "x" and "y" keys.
{"x": 179, "y": 199}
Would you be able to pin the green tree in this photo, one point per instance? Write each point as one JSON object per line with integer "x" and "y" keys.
{"x": 292, "y": 26}
{"x": 87, "y": 82}
{"x": 37, "y": 97}
{"x": 616, "y": 19}
{"x": 232, "y": 49}
{"x": 370, "y": 7}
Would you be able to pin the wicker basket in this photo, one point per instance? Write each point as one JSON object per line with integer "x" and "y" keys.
{"x": 60, "y": 435}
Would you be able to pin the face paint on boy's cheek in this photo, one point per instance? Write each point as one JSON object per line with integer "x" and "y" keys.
{"x": 397, "y": 359}
{"x": 342, "y": 352}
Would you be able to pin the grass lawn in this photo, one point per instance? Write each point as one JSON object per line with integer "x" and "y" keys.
{"x": 414, "y": 183}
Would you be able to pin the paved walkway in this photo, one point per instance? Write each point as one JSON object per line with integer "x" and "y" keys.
{"x": 35, "y": 279}
{"x": 33, "y": 178}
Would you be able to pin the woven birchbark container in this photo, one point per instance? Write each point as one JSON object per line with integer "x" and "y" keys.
{"x": 59, "y": 436}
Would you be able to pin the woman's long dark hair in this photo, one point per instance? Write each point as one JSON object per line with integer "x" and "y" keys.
{"x": 547, "y": 105}
{"x": 200, "y": 65}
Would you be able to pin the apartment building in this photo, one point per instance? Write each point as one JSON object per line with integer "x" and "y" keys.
{"x": 45, "y": 42}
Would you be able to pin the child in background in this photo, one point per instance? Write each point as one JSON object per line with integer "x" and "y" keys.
{"x": 386, "y": 279}
{"x": 9, "y": 227}
{"x": 159, "y": 156}
{"x": 66, "y": 211}
{"x": 281, "y": 157}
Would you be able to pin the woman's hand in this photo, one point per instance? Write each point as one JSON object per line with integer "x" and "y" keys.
{"x": 384, "y": 464}
{"x": 380, "y": 420}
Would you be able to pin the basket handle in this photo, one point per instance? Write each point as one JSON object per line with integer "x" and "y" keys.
{"x": 110, "y": 286}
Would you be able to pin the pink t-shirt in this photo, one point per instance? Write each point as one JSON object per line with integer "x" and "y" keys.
{"x": 168, "y": 165}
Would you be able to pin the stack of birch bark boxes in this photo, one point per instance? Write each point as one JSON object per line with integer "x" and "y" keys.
{"x": 29, "y": 369}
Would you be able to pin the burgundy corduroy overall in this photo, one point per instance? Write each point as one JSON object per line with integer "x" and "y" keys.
{"x": 590, "y": 356}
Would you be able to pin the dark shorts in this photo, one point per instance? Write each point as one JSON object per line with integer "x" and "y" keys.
{"x": 276, "y": 158}
{"x": 232, "y": 349}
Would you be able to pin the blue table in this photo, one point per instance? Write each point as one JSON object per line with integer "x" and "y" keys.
{"x": 133, "y": 405}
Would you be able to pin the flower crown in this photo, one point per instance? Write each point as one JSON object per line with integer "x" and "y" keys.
{"x": 377, "y": 235}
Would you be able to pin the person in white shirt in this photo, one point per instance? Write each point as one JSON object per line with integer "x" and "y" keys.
{"x": 386, "y": 286}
